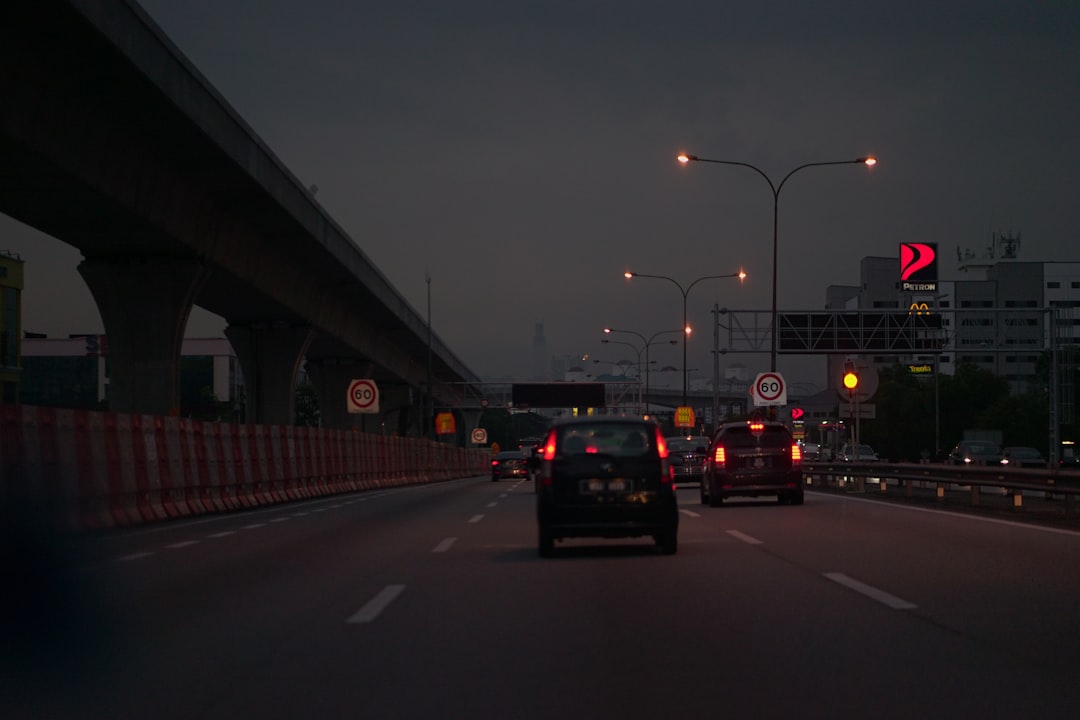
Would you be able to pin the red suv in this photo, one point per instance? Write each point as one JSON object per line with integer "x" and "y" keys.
{"x": 753, "y": 458}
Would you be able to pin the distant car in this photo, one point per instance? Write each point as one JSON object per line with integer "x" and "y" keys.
{"x": 1023, "y": 457}
{"x": 687, "y": 455}
{"x": 858, "y": 453}
{"x": 811, "y": 451}
{"x": 975, "y": 452}
{"x": 605, "y": 477}
{"x": 509, "y": 464}
{"x": 753, "y": 458}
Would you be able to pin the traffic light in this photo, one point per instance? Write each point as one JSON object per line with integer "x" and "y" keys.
{"x": 851, "y": 377}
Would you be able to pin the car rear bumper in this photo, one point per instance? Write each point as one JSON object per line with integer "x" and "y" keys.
{"x": 610, "y": 521}
{"x": 751, "y": 485}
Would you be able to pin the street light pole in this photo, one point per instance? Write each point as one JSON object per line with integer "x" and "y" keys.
{"x": 645, "y": 347}
{"x": 685, "y": 159}
{"x": 685, "y": 292}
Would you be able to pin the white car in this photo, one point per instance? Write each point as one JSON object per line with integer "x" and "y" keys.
{"x": 858, "y": 453}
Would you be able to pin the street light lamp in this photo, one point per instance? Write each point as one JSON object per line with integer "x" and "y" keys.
{"x": 686, "y": 326}
{"x": 686, "y": 159}
{"x": 645, "y": 346}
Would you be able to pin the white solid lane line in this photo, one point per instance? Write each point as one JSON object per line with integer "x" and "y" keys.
{"x": 376, "y": 605}
{"x": 445, "y": 545}
{"x": 871, "y": 592}
{"x": 744, "y": 537}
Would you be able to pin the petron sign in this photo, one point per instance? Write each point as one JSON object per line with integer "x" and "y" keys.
{"x": 918, "y": 267}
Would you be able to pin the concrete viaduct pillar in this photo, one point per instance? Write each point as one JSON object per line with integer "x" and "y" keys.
{"x": 269, "y": 355}
{"x": 398, "y": 409}
{"x": 331, "y": 378}
{"x": 144, "y": 304}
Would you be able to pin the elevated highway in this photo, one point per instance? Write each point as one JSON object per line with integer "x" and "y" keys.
{"x": 113, "y": 142}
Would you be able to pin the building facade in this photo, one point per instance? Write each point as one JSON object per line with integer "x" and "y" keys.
{"x": 11, "y": 285}
{"x": 1001, "y": 315}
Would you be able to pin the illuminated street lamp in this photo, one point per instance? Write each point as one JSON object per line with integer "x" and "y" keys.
{"x": 686, "y": 159}
{"x": 645, "y": 346}
{"x": 686, "y": 326}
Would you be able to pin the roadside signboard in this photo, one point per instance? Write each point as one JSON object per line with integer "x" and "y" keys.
{"x": 769, "y": 388}
{"x": 444, "y": 424}
{"x": 362, "y": 397}
{"x": 684, "y": 416}
{"x": 479, "y": 436}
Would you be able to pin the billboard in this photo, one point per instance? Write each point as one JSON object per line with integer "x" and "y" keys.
{"x": 918, "y": 267}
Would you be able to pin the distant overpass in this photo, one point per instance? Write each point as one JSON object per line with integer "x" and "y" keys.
{"x": 114, "y": 143}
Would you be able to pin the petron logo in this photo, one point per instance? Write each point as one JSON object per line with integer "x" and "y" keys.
{"x": 918, "y": 266}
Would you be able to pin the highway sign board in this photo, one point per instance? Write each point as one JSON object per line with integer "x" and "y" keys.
{"x": 362, "y": 396}
{"x": 769, "y": 388}
{"x": 444, "y": 424}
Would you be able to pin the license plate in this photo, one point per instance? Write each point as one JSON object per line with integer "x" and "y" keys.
{"x": 614, "y": 485}
{"x": 760, "y": 463}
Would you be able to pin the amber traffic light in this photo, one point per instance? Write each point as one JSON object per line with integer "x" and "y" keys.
{"x": 851, "y": 378}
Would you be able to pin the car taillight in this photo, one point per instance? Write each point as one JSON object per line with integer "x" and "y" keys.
{"x": 796, "y": 454}
{"x": 720, "y": 455}
{"x": 547, "y": 454}
{"x": 757, "y": 427}
{"x": 661, "y": 445}
{"x": 549, "y": 447}
{"x": 494, "y": 463}
{"x": 668, "y": 478}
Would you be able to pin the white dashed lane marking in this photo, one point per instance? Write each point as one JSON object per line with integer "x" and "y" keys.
{"x": 475, "y": 519}
{"x": 184, "y": 544}
{"x": 376, "y": 605}
{"x": 871, "y": 592}
{"x": 744, "y": 537}
{"x": 445, "y": 545}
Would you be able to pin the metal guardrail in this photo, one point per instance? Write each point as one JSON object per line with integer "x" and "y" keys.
{"x": 1041, "y": 491}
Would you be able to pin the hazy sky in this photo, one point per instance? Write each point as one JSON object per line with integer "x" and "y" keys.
{"x": 522, "y": 153}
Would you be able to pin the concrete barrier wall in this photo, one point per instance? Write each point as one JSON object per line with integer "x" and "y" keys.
{"x": 95, "y": 470}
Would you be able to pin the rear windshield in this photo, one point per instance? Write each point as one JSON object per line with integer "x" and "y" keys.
{"x": 605, "y": 438}
{"x": 684, "y": 444}
{"x": 983, "y": 448}
{"x": 773, "y": 436}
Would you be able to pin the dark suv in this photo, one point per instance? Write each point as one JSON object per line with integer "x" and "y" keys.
{"x": 605, "y": 477}
{"x": 687, "y": 455}
{"x": 753, "y": 458}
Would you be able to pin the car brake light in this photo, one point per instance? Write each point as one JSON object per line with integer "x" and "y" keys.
{"x": 661, "y": 445}
{"x": 720, "y": 455}
{"x": 757, "y": 427}
{"x": 796, "y": 454}
{"x": 668, "y": 478}
{"x": 549, "y": 447}
{"x": 494, "y": 463}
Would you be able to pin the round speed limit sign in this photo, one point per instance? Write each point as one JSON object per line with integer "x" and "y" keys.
{"x": 769, "y": 389}
{"x": 363, "y": 397}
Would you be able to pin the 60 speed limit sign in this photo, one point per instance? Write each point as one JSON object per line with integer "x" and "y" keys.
{"x": 363, "y": 397}
{"x": 769, "y": 389}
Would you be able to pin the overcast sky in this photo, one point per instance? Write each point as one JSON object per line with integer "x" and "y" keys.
{"x": 523, "y": 153}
